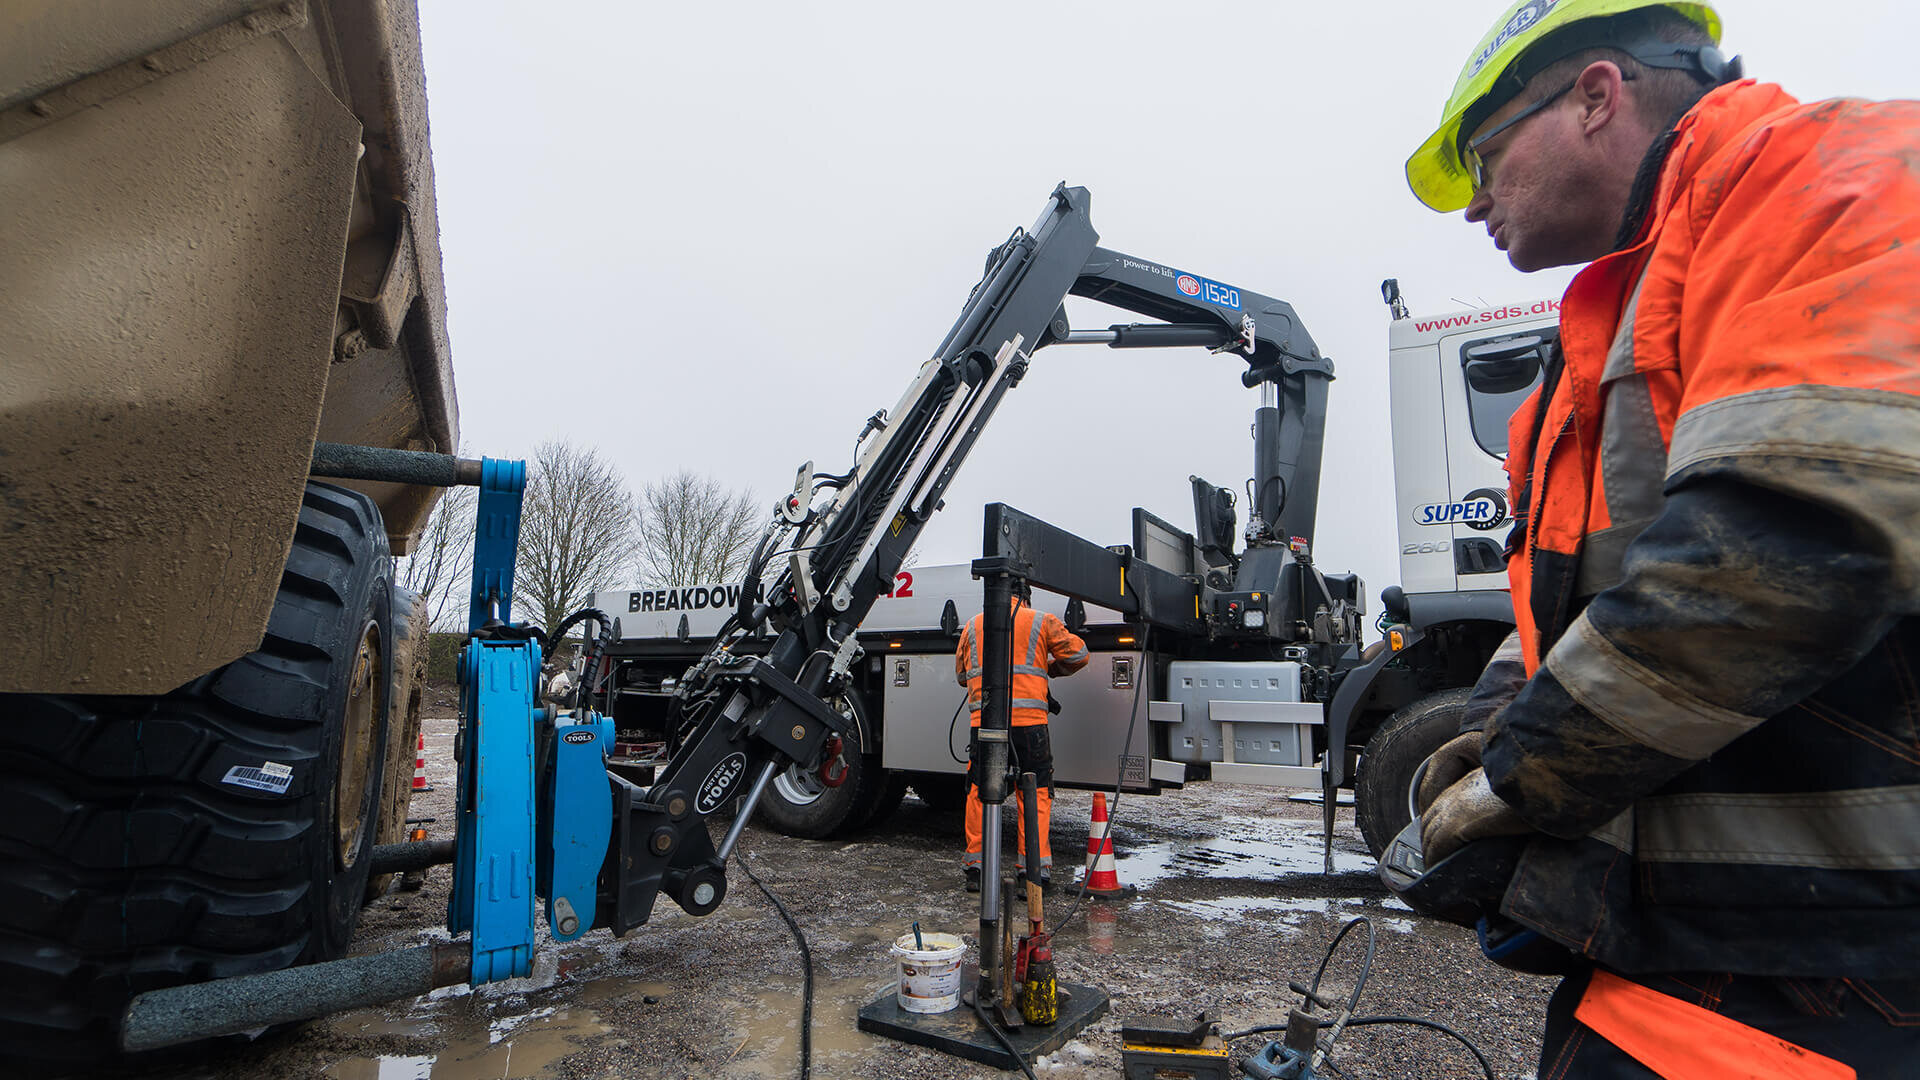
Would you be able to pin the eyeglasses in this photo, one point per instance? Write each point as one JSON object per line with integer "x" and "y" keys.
{"x": 1470, "y": 154}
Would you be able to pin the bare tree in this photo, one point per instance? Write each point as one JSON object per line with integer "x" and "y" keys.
{"x": 440, "y": 569}
{"x": 692, "y": 530}
{"x": 576, "y": 531}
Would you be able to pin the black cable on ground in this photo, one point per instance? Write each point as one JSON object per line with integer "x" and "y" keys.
{"x": 806, "y": 961}
{"x": 1004, "y": 1040}
{"x": 1415, "y": 1021}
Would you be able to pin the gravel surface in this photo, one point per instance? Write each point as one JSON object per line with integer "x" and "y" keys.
{"x": 1232, "y": 906}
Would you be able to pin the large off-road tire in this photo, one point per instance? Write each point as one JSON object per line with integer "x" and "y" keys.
{"x": 798, "y": 804}
{"x": 406, "y": 697}
{"x": 220, "y": 829}
{"x": 1395, "y": 751}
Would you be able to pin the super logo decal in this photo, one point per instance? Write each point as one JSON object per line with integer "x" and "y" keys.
{"x": 268, "y": 776}
{"x": 578, "y": 737}
{"x": 1517, "y": 24}
{"x": 1482, "y": 509}
{"x": 719, "y": 782}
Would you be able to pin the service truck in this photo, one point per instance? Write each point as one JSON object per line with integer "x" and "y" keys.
{"x": 1164, "y": 704}
{"x": 221, "y": 271}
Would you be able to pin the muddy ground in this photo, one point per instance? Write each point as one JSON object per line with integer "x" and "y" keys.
{"x": 1231, "y": 907}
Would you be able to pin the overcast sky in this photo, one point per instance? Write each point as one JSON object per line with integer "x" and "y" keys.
{"x": 718, "y": 235}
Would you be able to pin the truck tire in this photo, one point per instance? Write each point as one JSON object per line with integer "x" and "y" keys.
{"x": 798, "y": 804}
{"x": 220, "y": 829}
{"x": 1395, "y": 751}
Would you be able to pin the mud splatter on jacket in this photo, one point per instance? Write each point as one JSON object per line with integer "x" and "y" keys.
{"x": 1717, "y": 581}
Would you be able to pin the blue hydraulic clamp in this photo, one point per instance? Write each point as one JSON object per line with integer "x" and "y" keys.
{"x": 494, "y": 851}
{"x": 535, "y": 808}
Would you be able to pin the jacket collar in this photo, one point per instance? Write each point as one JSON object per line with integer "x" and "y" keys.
{"x": 1702, "y": 132}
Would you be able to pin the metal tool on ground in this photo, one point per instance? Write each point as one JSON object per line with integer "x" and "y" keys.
{"x": 1033, "y": 967}
{"x": 1302, "y": 1053}
{"x": 1170, "y": 1048}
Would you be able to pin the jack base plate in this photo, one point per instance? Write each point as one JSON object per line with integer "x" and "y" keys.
{"x": 960, "y": 1033}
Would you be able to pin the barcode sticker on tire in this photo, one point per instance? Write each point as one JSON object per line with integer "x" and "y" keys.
{"x": 267, "y": 776}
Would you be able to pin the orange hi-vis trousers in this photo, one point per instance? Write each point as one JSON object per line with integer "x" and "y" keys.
{"x": 976, "y": 810}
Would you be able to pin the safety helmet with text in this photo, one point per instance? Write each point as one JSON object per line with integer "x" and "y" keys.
{"x": 1532, "y": 35}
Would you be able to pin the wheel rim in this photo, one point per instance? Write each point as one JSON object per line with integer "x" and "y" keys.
{"x": 801, "y": 786}
{"x": 356, "y": 738}
{"x": 798, "y": 786}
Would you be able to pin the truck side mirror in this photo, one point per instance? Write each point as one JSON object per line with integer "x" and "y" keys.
{"x": 1504, "y": 365}
{"x": 950, "y": 620}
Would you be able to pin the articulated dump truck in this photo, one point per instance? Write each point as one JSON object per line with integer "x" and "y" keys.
{"x": 218, "y": 248}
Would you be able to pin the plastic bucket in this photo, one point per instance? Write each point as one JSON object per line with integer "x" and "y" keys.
{"x": 929, "y": 975}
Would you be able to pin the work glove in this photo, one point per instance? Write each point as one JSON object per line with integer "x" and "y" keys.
{"x": 1448, "y": 766}
{"x": 1465, "y": 812}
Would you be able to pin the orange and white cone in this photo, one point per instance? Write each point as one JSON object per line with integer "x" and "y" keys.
{"x": 420, "y": 765}
{"x": 1102, "y": 878}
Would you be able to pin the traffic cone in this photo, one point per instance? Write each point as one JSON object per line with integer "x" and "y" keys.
{"x": 1102, "y": 880}
{"x": 420, "y": 765}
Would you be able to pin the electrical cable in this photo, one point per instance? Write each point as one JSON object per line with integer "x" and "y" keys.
{"x": 1005, "y": 1041}
{"x": 806, "y": 961}
{"x": 1120, "y": 773}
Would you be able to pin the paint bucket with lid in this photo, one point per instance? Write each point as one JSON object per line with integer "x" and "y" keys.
{"x": 929, "y": 971}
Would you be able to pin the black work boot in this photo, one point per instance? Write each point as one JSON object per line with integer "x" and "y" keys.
{"x": 973, "y": 879}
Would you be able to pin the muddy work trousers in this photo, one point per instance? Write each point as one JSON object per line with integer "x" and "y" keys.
{"x": 1872, "y": 1026}
{"x": 1032, "y": 752}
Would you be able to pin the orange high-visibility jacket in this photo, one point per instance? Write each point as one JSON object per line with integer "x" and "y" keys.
{"x": 1718, "y": 570}
{"x": 1042, "y": 646}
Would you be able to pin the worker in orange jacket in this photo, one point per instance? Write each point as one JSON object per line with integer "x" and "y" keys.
{"x": 1043, "y": 647}
{"x": 1699, "y": 749}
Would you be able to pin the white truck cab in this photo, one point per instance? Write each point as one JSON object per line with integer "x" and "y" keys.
{"x": 1455, "y": 380}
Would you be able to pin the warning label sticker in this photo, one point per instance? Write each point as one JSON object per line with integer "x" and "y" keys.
{"x": 268, "y": 776}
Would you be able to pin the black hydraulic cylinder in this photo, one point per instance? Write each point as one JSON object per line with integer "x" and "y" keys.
{"x": 343, "y": 462}
{"x": 996, "y": 686}
{"x": 991, "y": 750}
{"x": 399, "y": 858}
{"x": 180, "y": 1014}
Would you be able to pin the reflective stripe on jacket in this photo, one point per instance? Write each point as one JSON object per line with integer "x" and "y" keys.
{"x": 1042, "y": 646}
{"x": 1716, "y": 587}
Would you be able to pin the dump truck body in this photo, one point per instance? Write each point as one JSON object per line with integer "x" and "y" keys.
{"x": 222, "y": 245}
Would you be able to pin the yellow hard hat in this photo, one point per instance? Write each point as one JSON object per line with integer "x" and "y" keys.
{"x": 1435, "y": 172}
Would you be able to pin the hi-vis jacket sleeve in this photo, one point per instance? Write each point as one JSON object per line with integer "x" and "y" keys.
{"x": 1789, "y": 543}
{"x": 962, "y": 656}
{"x": 1066, "y": 652}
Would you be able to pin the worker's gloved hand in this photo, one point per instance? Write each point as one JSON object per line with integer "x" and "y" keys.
{"x": 1448, "y": 766}
{"x": 1465, "y": 812}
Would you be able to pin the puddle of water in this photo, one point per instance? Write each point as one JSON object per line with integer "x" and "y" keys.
{"x": 383, "y": 1068}
{"x": 520, "y": 1045}
{"x": 1253, "y": 848}
{"x": 770, "y": 1047}
{"x": 374, "y": 1022}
